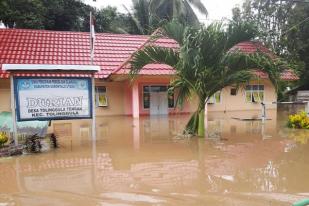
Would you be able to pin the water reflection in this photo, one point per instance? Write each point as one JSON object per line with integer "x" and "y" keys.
{"x": 148, "y": 162}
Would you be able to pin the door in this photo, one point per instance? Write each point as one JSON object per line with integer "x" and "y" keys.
{"x": 158, "y": 103}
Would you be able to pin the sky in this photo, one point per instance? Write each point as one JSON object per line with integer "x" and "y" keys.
{"x": 217, "y": 9}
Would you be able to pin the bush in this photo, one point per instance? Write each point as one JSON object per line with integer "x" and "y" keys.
{"x": 299, "y": 121}
{"x": 3, "y": 138}
{"x": 33, "y": 144}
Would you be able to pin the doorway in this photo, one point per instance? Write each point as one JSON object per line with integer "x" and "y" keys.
{"x": 158, "y": 103}
{"x": 155, "y": 99}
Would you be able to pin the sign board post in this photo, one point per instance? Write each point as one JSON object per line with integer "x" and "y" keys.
{"x": 13, "y": 109}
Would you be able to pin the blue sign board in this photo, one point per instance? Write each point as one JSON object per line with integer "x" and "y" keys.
{"x": 53, "y": 98}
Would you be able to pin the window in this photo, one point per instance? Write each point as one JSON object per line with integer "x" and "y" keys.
{"x": 101, "y": 98}
{"x": 146, "y": 97}
{"x": 216, "y": 98}
{"x": 254, "y": 93}
{"x": 233, "y": 91}
{"x": 157, "y": 88}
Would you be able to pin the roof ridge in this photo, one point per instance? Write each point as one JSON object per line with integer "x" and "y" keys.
{"x": 74, "y": 32}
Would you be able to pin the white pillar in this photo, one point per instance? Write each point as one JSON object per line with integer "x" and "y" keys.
{"x": 136, "y": 134}
{"x": 135, "y": 100}
{"x": 13, "y": 109}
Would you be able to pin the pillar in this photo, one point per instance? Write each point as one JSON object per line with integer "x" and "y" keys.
{"x": 136, "y": 134}
{"x": 135, "y": 100}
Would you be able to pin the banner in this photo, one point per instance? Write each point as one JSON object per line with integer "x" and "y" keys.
{"x": 53, "y": 98}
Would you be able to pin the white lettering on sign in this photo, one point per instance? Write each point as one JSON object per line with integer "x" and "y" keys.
{"x": 54, "y": 102}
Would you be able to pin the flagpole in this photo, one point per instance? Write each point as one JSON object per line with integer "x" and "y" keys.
{"x": 92, "y": 39}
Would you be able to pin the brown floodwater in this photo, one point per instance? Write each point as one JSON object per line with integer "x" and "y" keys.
{"x": 149, "y": 162}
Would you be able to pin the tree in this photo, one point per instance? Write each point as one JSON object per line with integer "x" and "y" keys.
{"x": 203, "y": 63}
{"x": 108, "y": 19}
{"x": 60, "y": 15}
{"x": 179, "y": 10}
{"x": 271, "y": 17}
{"x": 139, "y": 18}
{"x": 66, "y": 15}
{"x": 297, "y": 38}
{"x": 22, "y": 13}
{"x": 148, "y": 15}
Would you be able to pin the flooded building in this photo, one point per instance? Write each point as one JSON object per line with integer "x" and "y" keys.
{"x": 115, "y": 93}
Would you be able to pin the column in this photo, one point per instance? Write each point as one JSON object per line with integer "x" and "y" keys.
{"x": 136, "y": 134}
{"x": 135, "y": 100}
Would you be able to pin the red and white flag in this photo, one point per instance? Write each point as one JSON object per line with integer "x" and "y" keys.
{"x": 92, "y": 37}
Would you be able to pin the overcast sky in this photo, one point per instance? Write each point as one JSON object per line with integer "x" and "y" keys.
{"x": 217, "y": 9}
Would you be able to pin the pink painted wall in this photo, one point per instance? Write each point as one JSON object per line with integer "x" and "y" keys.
{"x": 150, "y": 80}
{"x": 119, "y": 94}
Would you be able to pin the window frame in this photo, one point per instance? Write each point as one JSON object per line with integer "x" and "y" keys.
{"x": 255, "y": 88}
{"x": 97, "y": 93}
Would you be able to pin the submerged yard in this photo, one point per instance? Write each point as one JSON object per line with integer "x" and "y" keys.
{"x": 148, "y": 162}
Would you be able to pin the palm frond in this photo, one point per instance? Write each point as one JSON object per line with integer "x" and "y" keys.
{"x": 183, "y": 91}
{"x": 153, "y": 54}
{"x": 200, "y": 6}
{"x": 272, "y": 66}
{"x": 240, "y": 31}
{"x": 134, "y": 20}
{"x": 175, "y": 30}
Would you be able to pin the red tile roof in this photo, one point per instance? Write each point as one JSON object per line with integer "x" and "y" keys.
{"x": 112, "y": 51}
{"x": 287, "y": 75}
{"x": 22, "y": 46}
{"x": 250, "y": 47}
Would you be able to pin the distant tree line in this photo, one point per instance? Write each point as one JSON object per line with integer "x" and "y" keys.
{"x": 73, "y": 15}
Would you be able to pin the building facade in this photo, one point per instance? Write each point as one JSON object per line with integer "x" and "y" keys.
{"x": 115, "y": 92}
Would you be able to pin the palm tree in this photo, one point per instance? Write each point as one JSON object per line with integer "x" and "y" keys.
{"x": 140, "y": 17}
{"x": 177, "y": 9}
{"x": 204, "y": 64}
{"x": 147, "y": 15}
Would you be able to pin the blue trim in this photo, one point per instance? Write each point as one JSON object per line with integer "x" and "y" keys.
{"x": 17, "y": 103}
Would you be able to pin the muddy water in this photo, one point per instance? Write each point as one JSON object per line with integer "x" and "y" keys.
{"x": 148, "y": 162}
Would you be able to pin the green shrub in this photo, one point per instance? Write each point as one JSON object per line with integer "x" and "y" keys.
{"x": 3, "y": 138}
{"x": 299, "y": 120}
